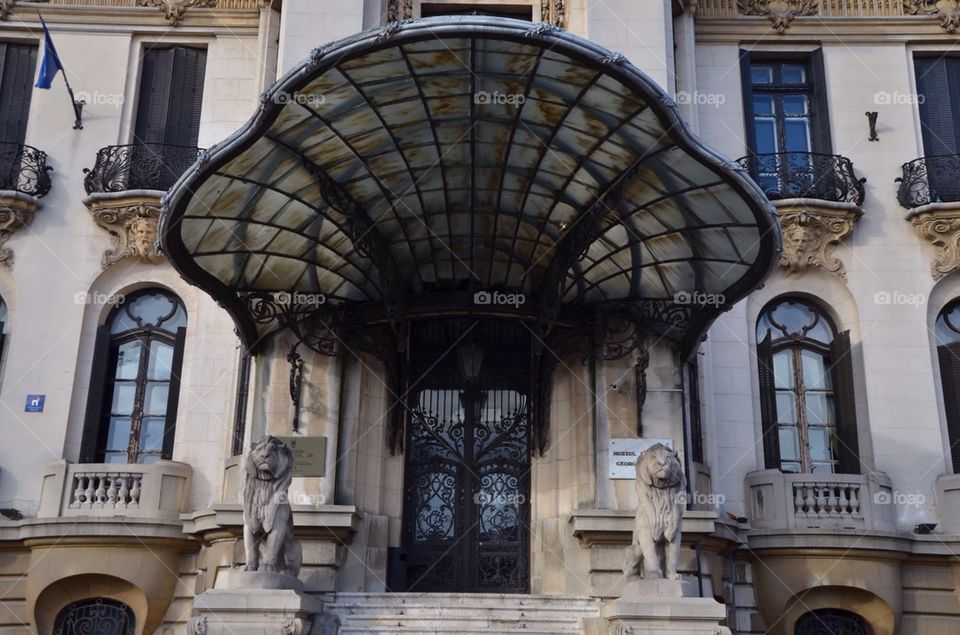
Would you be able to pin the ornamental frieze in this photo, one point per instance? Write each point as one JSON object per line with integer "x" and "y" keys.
{"x": 780, "y": 12}
{"x": 946, "y": 11}
{"x": 132, "y": 224}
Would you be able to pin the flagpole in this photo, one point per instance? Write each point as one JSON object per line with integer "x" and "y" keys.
{"x": 77, "y": 104}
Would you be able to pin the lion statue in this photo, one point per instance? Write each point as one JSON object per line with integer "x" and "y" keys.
{"x": 267, "y": 520}
{"x": 661, "y": 490}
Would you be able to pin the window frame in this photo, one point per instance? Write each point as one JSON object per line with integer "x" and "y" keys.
{"x": 26, "y": 99}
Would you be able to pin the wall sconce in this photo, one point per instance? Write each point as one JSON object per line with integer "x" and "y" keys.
{"x": 872, "y": 122}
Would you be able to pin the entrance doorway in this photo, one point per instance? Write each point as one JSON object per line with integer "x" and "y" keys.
{"x": 467, "y": 475}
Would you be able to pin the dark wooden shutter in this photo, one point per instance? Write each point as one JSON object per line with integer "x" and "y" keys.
{"x": 841, "y": 372}
{"x": 949, "y": 355}
{"x": 746, "y": 85}
{"x": 768, "y": 405}
{"x": 186, "y": 97}
{"x": 820, "y": 110}
{"x": 93, "y": 422}
{"x": 154, "y": 96}
{"x": 938, "y": 85}
{"x": 17, "y": 65}
{"x": 173, "y": 395}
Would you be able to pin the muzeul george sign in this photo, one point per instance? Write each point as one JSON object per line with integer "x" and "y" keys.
{"x": 624, "y": 453}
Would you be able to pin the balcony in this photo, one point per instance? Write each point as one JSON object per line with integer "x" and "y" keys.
{"x": 24, "y": 169}
{"x": 155, "y": 491}
{"x": 820, "y": 501}
{"x": 930, "y": 191}
{"x": 140, "y": 166}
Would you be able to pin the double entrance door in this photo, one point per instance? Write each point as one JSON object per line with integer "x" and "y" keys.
{"x": 466, "y": 511}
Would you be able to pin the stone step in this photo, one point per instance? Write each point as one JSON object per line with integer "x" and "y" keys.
{"x": 437, "y": 630}
{"x": 472, "y": 600}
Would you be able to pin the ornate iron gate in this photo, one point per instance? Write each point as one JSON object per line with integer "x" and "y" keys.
{"x": 97, "y": 616}
{"x": 466, "y": 516}
{"x": 831, "y": 622}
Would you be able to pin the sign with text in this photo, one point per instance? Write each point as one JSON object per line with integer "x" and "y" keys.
{"x": 35, "y": 403}
{"x": 309, "y": 455}
{"x": 622, "y": 459}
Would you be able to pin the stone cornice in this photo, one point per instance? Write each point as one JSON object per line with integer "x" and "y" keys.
{"x": 613, "y": 526}
{"x": 16, "y": 211}
{"x": 939, "y": 224}
{"x": 748, "y": 30}
{"x": 226, "y": 520}
{"x": 148, "y": 19}
{"x": 811, "y": 231}
{"x": 131, "y": 219}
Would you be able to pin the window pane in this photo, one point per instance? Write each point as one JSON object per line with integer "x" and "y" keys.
{"x": 115, "y": 457}
{"x": 820, "y": 443}
{"x": 151, "y": 434}
{"x": 118, "y": 434}
{"x": 794, "y": 105}
{"x": 161, "y": 360}
{"x": 819, "y": 408}
{"x": 155, "y": 402}
{"x": 145, "y": 459}
{"x": 793, "y": 74}
{"x": 790, "y": 468}
{"x": 128, "y": 360}
{"x": 816, "y": 374}
{"x": 123, "y": 394}
{"x": 783, "y": 369}
{"x": 786, "y": 407}
{"x": 761, "y": 74}
{"x": 823, "y": 468}
{"x": 789, "y": 443}
{"x": 766, "y": 133}
{"x": 798, "y": 135}
{"x": 763, "y": 104}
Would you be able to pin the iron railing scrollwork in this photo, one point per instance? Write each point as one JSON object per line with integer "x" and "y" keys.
{"x": 825, "y": 177}
{"x": 24, "y": 169}
{"x": 139, "y": 166}
{"x": 927, "y": 180}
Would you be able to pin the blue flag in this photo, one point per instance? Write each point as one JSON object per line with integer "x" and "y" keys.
{"x": 50, "y": 65}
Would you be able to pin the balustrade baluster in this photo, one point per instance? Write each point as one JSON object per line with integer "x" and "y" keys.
{"x": 124, "y": 493}
{"x": 100, "y": 493}
{"x": 135, "y": 490}
{"x": 77, "y": 492}
{"x": 88, "y": 491}
{"x": 833, "y": 510}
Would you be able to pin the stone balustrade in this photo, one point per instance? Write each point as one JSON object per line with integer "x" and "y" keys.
{"x": 158, "y": 490}
{"x": 828, "y": 501}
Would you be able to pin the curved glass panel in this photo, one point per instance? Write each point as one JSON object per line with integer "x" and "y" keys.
{"x": 149, "y": 309}
{"x": 948, "y": 324}
{"x": 794, "y": 319}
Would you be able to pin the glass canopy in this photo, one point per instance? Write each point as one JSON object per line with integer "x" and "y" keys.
{"x": 462, "y": 154}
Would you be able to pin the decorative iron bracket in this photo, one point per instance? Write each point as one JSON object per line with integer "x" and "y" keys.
{"x": 640, "y": 385}
{"x": 296, "y": 383}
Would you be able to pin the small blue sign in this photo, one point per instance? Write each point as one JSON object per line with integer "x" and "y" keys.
{"x": 35, "y": 403}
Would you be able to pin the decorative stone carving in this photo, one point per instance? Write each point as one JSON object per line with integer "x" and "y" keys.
{"x": 131, "y": 222}
{"x": 6, "y": 6}
{"x": 940, "y": 227}
{"x": 16, "y": 211}
{"x": 554, "y": 12}
{"x": 811, "y": 234}
{"x": 661, "y": 489}
{"x": 173, "y": 10}
{"x": 197, "y": 625}
{"x": 947, "y": 11}
{"x": 267, "y": 519}
{"x": 780, "y": 12}
{"x": 399, "y": 10}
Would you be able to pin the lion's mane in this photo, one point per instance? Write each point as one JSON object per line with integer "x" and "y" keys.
{"x": 661, "y": 491}
{"x": 265, "y": 490}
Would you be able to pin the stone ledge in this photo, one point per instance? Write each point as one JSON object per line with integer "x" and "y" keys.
{"x": 339, "y": 522}
{"x": 614, "y": 526}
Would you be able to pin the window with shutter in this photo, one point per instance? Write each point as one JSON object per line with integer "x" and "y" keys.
{"x": 17, "y": 65}
{"x": 135, "y": 381}
{"x": 938, "y": 92}
{"x": 806, "y": 390}
{"x": 948, "y": 352}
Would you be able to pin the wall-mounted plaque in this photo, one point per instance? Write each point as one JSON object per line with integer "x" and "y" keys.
{"x": 309, "y": 455}
{"x": 624, "y": 452}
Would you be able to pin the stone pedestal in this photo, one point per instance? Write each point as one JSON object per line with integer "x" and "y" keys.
{"x": 254, "y": 603}
{"x": 649, "y": 607}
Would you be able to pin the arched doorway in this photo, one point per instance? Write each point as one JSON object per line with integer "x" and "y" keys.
{"x": 95, "y": 616}
{"x": 467, "y": 475}
{"x": 831, "y": 622}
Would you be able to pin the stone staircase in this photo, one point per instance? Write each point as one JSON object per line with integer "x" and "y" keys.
{"x": 461, "y": 613}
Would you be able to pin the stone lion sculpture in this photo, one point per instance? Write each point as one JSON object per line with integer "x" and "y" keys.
{"x": 267, "y": 520}
{"x": 661, "y": 490}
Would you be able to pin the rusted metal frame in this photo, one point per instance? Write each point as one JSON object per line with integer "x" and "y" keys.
{"x": 506, "y": 160}
{"x": 400, "y": 150}
{"x": 543, "y": 153}
{"x": 436, "y": 142}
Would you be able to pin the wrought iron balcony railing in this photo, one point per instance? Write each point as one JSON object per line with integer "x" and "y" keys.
{"x": 139, "y": 166}
{"x": 827, "y": 177}
{"x": 24, "y": 169}
{"x": 930, "y": 180}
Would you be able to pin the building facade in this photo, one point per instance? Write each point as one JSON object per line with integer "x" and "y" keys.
{"x": 465, "y": 257}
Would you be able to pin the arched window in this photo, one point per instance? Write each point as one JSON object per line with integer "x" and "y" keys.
{"x": 831, "y": 622}
{"x": 806, "y": 390}
{"x": 96, "y": 616}
{"x": 948, "y": 351}
{"x": 135, "y": 381}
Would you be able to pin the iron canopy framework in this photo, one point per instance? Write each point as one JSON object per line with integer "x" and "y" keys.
{"x": 399, "y": 173}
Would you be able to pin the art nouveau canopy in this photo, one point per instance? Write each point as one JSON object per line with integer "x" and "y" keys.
{"x": 400, "y": 171}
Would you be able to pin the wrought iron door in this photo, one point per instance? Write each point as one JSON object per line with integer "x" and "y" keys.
{"x": 466, "y": 516}
{"x": 97, "y": 616}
